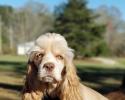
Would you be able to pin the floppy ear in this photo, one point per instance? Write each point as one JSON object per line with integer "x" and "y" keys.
{"x": 31, "y": 90}
{"x": 70, "y": 89}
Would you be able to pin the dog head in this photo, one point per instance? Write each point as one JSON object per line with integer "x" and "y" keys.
{"x": 50, "y": 56}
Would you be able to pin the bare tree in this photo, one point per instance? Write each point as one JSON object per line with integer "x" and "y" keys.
{"x": 32, "y": 20}
{"x": 11, "y": 38}
{"x": 111, "y": 17}
{"x": 0, "y": 36}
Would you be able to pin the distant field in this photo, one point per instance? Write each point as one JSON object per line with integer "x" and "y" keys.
{"x": 13, "y": 58}
{"x": 79, "y": 63}
{"x": 102, "y": 77}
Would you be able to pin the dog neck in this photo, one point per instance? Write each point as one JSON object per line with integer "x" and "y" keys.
{"x": 50, "y": 91}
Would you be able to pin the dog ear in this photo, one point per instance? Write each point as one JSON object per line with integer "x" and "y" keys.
{"x": 70, "y": 85}
{"x": 31, "y": 70}
{"x": 31, "y": 89}
{"x": 71, "y": 74}
{"x": 70, "y": 68}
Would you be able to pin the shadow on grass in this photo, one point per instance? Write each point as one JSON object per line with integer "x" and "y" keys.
{"x": 11, "y": 87}
{"x": 101, "y": 77}
{"x": 87, "y": 74}
{"x": 18, "y": 67}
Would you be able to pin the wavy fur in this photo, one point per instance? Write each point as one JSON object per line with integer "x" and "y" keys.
{"x": 69, "y": 88}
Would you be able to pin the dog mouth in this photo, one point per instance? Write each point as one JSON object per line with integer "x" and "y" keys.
{"x": 48, "y": 79}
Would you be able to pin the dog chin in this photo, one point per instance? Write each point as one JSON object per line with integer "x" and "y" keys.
{"x": 47, "y": 79}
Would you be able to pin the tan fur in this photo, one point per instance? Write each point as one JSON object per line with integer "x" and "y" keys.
{"x": 69, "y": 88}
{"x": 32, "y": 89}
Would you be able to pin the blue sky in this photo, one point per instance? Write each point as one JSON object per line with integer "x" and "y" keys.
{"x": 120, "y": 4}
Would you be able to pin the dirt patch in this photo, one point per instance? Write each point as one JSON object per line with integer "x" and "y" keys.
{"x": 116, "y": 95}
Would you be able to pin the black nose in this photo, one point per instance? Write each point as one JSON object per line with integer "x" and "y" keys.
{"x": 49, "y": 66}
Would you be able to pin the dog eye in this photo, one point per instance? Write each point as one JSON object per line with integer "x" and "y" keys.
{"x": 59, "y": 57}
{"x": 39, "y": 55}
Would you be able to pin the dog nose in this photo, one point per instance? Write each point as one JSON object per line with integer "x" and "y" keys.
{"x": 49, "y": 66}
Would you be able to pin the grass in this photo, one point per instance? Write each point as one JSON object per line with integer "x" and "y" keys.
{"x": 9, "y": 63}
{"x": 13, "y": 58}
{"x": 12, "y": 69}
{"x": 102, "y": 77}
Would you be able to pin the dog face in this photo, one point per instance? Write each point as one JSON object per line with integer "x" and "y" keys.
{"x": 49, "y": 56}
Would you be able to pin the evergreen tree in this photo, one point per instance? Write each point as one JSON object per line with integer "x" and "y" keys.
{"x": 76, "y": 22}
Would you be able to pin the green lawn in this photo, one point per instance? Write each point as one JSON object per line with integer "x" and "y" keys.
{"x": 102, "y": 77}
{"x": 12, "y": 75}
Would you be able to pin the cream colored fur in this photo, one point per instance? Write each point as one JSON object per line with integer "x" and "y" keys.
{"x": 68, "y": 86}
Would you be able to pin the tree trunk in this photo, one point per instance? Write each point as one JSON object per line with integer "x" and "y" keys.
{"x": 11, "y": 39}
{"x": 0, "y": 36}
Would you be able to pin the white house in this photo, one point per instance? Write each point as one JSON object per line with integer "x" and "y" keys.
{"x": 24, "y": 47}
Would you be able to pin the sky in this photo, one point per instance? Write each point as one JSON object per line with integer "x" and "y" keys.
{"x": 120, "y": 4}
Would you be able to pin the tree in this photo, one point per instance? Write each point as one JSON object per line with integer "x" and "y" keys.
{"x": 32, "y": 20}
{"x": 0, "y": 36}
{"x": 115, "y": 28}
{"x": 23, "y": 24}
{"x": 5, "y": 16}
{"x": 76, "y": 22}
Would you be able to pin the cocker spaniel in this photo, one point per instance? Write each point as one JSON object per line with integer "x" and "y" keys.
{"x": 51, "y": 74}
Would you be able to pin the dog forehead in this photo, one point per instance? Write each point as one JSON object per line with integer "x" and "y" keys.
{"x": 51, "y": 39}
{"x": 53, "y": 42}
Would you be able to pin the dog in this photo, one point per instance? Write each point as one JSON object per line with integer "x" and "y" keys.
{"x": 51, "y": 73}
